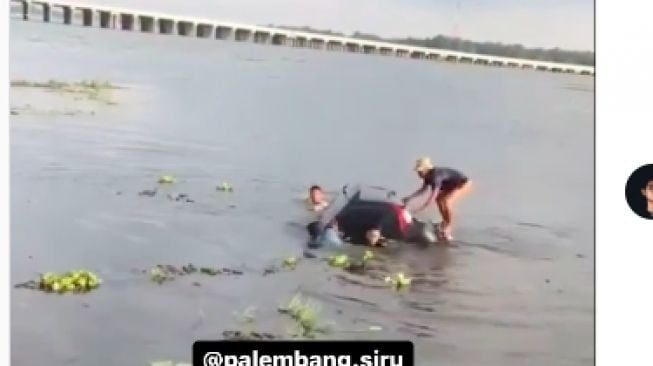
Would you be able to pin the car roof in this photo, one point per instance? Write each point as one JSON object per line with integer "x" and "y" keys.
{"x": 370, "y": 193}
{"x": 356, "y": 192}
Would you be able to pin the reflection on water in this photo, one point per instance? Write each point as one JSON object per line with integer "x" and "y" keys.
{"x": 517, "y": 289}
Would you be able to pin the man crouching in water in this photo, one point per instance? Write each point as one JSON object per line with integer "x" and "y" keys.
{"x": 447, "y": 186}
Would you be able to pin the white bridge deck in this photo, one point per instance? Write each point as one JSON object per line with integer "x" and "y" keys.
{"x": 143, "y": 21}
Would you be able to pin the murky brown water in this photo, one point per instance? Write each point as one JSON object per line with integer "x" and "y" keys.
{"x": 516, "y": 290}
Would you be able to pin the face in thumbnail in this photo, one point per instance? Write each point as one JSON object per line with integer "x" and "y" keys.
{"x": 647, "y": 192}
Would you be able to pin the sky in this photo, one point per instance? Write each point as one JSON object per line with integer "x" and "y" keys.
{"x": 567, "y": 24}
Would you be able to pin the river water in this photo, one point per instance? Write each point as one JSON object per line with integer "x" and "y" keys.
{"x": 516, "y": 289}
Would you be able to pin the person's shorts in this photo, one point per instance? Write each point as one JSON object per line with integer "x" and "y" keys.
{"x": 448, "y": 188}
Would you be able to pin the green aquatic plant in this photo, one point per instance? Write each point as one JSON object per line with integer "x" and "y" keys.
{"x": 50, "y": 84}
{"x": 166, "y": 272}
{"x": 305, "y": 313}
{"x": 158, "y": 275}
{"x": 225, "y": 187}
{"x": 290, "y": 262}
{"x": 93, "y": 90}
{"x": 74, "y": 281}
{"x": 248, "y": 315}
{"x": 167, "y": 179}
{"x": 367, "y": 256}
{"x": 398, "y": 281}
{"x": 339, "y": 261}
{"x": 210, "y": 271}
{"x": 97, "y": 85}
{"x": 249, "y": 331}
{"x": 55, "y": 84}
{"x": 238, "y": 335}
{"x": 351, "y": 264}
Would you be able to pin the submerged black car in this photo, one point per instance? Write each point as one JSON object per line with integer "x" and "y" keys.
{"x": 361, "y": 208}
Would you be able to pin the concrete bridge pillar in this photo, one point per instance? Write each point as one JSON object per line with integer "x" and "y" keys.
{"x": 317, "y": 43}
{"x": 47, "y": 13}
{"x": 261, "y": 37}
{"x": 417, "y": 55}
{"x": 385, "y": 51}
{"x": 352, "y": 47}
{"x": 279, "y": 39}
{"x": 24, "y": 10}
{"x": 301, "y": 42}
{"x": 402, "y": 53}
{"x": 146, "y": 24}
{"x": 223, "y": 33}
{"x": 243, "y": 35}
{"x": 166, "y": 26}
{"x": 334, "y": 46}
{"x": 451, "y": 58}
{"x": 433, "y": 56}
{"x": 67, "y": 15}
{"x": 369, "y": 49}
{"x": 204, "y": 30}
{"x": 87, "y": 17}
{"x": 105, "y": 19}
{"x": 185, "y": 28}
{"x": 126, "y": 21}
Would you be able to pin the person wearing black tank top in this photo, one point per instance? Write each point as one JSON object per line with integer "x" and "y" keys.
{"x": 446, "y": 185}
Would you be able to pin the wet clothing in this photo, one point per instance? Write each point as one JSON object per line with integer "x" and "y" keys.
{"x": 444, "y": 179}
{"x": 329, "y": 238}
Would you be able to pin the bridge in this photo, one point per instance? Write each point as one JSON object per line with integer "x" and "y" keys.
{"x": 148, "y": 22}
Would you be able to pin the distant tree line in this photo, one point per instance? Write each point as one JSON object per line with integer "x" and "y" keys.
{"x": 463, "y": 45}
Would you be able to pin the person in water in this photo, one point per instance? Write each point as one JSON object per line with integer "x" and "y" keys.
{"x": 317, "y": 200}
{"x": 447, "y": 187}
{"x": 328, "y": 237}
{"x": 374, "y": 238}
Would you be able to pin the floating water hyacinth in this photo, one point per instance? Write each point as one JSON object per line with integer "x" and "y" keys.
{"x": 210, "y": 271}
{"x": 239, "y": 335}
{"x": 305, "y": 313}
{"x": 367, "y": 256}
{"x": 78, "y": 281}
{"x": 398, "y": 281}
{"x": 166, "y": 272}
{"x": 160, "y": 276}
{"x": 248, "y": 315}
{"x": 339, "y": 261}
{"x": 225, "y": 187}
{"x": 167, "y": 179}
{"x": 290, "y": 262}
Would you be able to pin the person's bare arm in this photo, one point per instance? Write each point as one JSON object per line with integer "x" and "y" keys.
{"x": 435, "y": 189}
{"x": 420, "y": 191}
{"x": 434, "y": 193}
